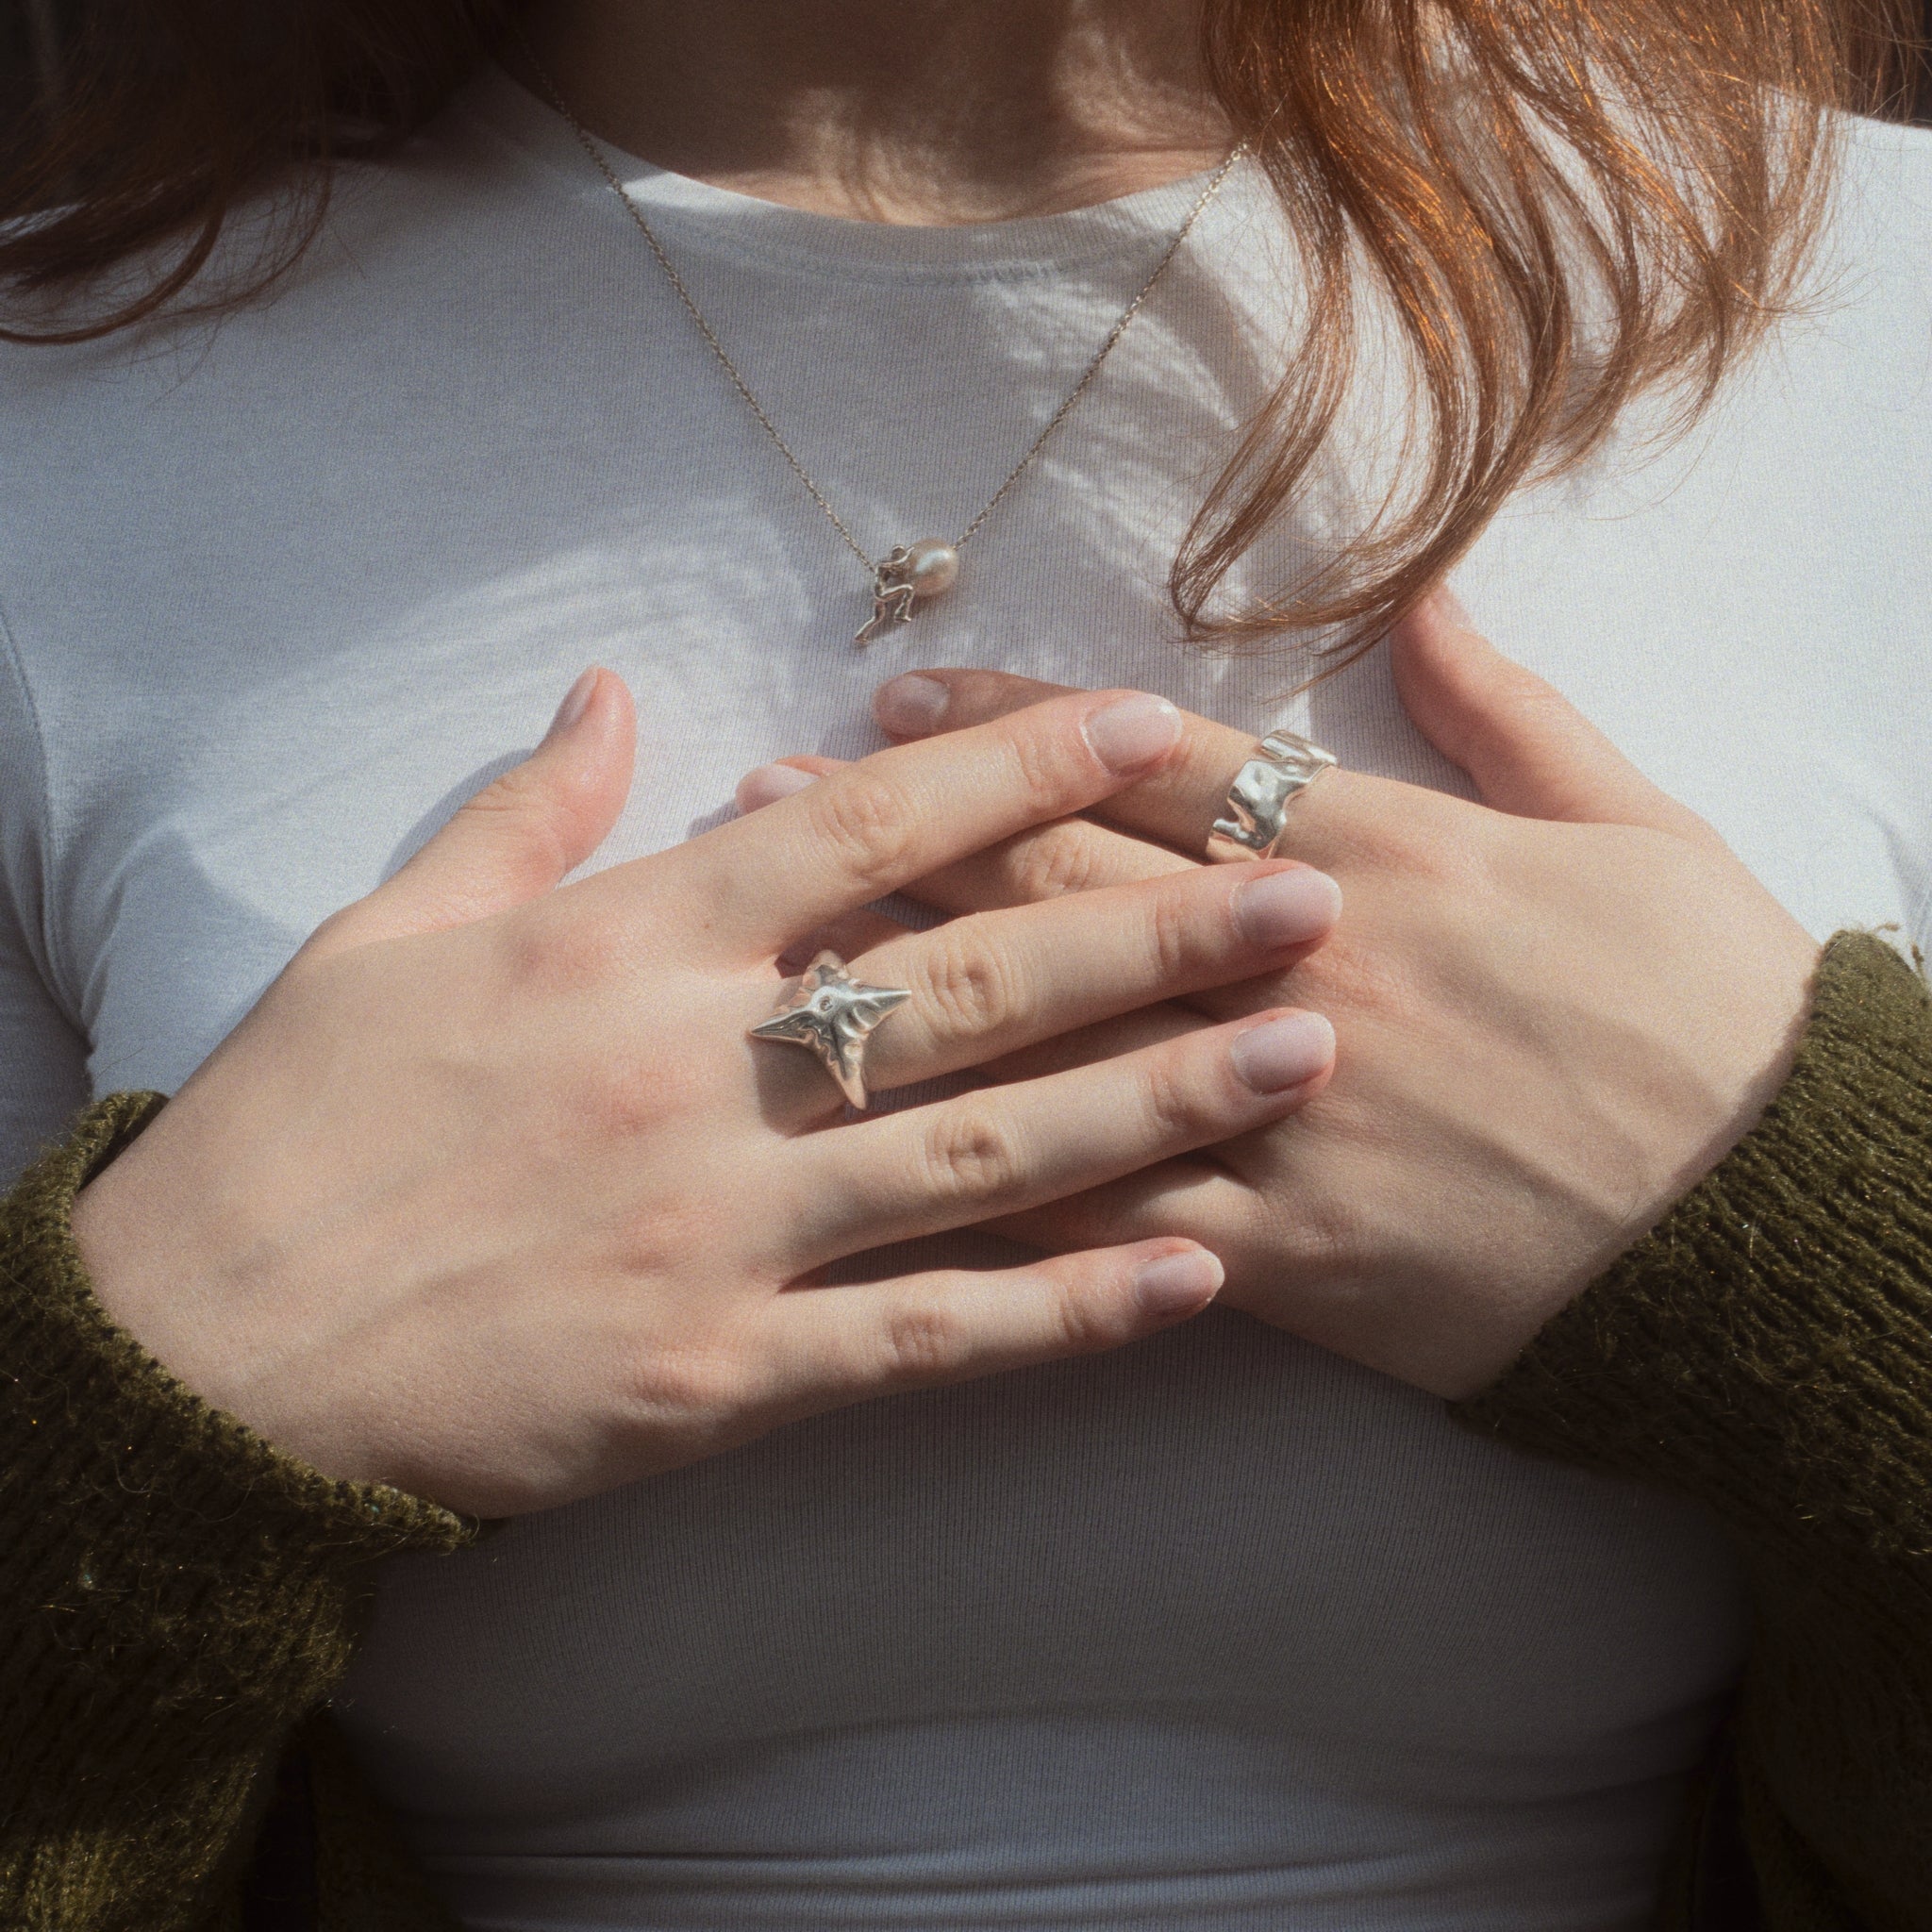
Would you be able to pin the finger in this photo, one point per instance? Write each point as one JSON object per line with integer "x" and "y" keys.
{"x": 994, "y": 982}
{"x": 851, "y": 935}
{"x": 1529, "y": 748}
{"x": 1128, "y": 1032}
{"x": 829, "y": 1347}
{"x": 767, "y": 784}
{"x": 878, "y": 825}
{"x": 1072, "y": 856}
{"x": 518, "y": 837}
{"x": 1190, "y": 1197}
{"x": 1049, "y": 862}
{"x": 1069, "y": 856}
{"x": 1342, "y": 817}
{"x": 1107, "y": 1039}
{"x": 1001, "y": 1150}
{"x": 921, "y": 704}
{"x": 1178, "y": 803}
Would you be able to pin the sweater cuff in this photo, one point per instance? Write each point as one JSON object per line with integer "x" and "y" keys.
{"x": 175, "y": 1586}
{"x": 1767, "y": 1348}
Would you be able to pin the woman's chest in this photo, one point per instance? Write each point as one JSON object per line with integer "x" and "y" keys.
{"x": 196, "y": 863}
{"x": 339, "y": 598}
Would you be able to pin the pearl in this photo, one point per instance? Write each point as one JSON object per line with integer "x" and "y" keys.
{"x": 931, "y": 567}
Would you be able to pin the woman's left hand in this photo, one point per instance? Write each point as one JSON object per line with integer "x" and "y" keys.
{"x": 1557, "y": 1010}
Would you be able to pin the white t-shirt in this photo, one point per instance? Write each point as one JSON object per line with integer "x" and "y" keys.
{"x": 1217, "y": 1631}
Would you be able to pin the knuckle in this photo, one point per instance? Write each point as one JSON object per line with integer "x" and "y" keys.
{"x": 520, "y": 810}
{"x": 697, "y": 1385}
{"x": 619, "y": 1099}
{"x": 1433, "y": 841}
{"x": 1051, "y": 863}
{"x": 865, "y": 821}
{"x": 1040, "y": 766}
{"x": 922, "y": 1342}
{"x": 1180, "y": 1106}
{"x": 1461, "y": 870}
{"x": 557, "y": 949}
{"x": 1173, "y": 933}
{"x": 1394, "y": 828}
{"x": 517, "y": 790}
{"x": 1384, "y": 843}
{"x": 970, "y": 1155}
{"x": 1367, "y": 982}
{"x": 1321, "y": 1241}
{"x": 653, "y": 1247}
{"x": 1086, "y": 1322}
{"x": 968, "y": 989}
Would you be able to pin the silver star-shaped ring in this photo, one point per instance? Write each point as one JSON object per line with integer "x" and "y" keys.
{"x": 832, "y": 1015}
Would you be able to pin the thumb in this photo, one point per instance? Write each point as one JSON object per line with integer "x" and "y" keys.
{"x": 517, "y": 838}
{"x": 1530, "y": 751}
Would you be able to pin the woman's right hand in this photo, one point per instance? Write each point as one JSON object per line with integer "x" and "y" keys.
{"x": 491, "y": 1198}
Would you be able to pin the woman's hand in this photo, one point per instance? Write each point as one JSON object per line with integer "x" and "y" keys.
{"x": 490, "y": 1197}
{"x": 1557, "y": 1010}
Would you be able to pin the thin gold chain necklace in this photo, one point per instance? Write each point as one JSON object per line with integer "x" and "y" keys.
{"x": 911, "y": 571}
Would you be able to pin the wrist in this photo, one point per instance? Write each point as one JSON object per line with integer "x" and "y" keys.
{"x": 1773, "y": 1327}
{"x": 153, "y": 1516}
{"x": 128, "y": 1236}
{"x": 151, "y": 1267}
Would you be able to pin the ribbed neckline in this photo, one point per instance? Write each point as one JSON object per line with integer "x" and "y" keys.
{"x": 720, "y": 220}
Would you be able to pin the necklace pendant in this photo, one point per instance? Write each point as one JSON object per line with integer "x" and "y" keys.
{"x": 912, "y": 572}
{"x": 891, "y": 602}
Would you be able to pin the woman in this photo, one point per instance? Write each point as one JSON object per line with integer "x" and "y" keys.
{"x": 475, "y": 1200}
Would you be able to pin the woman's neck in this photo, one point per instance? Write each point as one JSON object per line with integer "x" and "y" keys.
{"x": 915, "y": 112}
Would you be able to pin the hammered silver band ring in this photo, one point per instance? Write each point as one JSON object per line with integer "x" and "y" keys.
{"x": 1284, "y": 765}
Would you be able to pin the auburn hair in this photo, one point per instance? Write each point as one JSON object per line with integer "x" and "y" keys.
{"x": 1561, "y": 204}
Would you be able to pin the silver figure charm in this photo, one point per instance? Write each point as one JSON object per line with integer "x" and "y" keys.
{"x": 891, "y": 599}
{"x": 914, "y": 571}
{"x": 1284, "y": 766}
{"x": 832, "y": 1015}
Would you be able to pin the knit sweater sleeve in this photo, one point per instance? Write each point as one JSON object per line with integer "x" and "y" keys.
{"x": 1768, "y": 1351}
{"x": 175, "y": 1594}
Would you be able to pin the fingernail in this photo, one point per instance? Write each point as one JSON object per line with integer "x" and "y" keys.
{"x": 1282, "y": 1052}
{"x": 1173, "y": 1285}
{"x": 768, "y": 784}
{"x": 911, "y": 706}
{"x": 1285, "y": 908}
{"x": 1132, "y": 732}
{"x": 577, "y": 701}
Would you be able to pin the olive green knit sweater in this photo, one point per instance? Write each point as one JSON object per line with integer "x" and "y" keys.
{"x": 178, "y": 1598}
